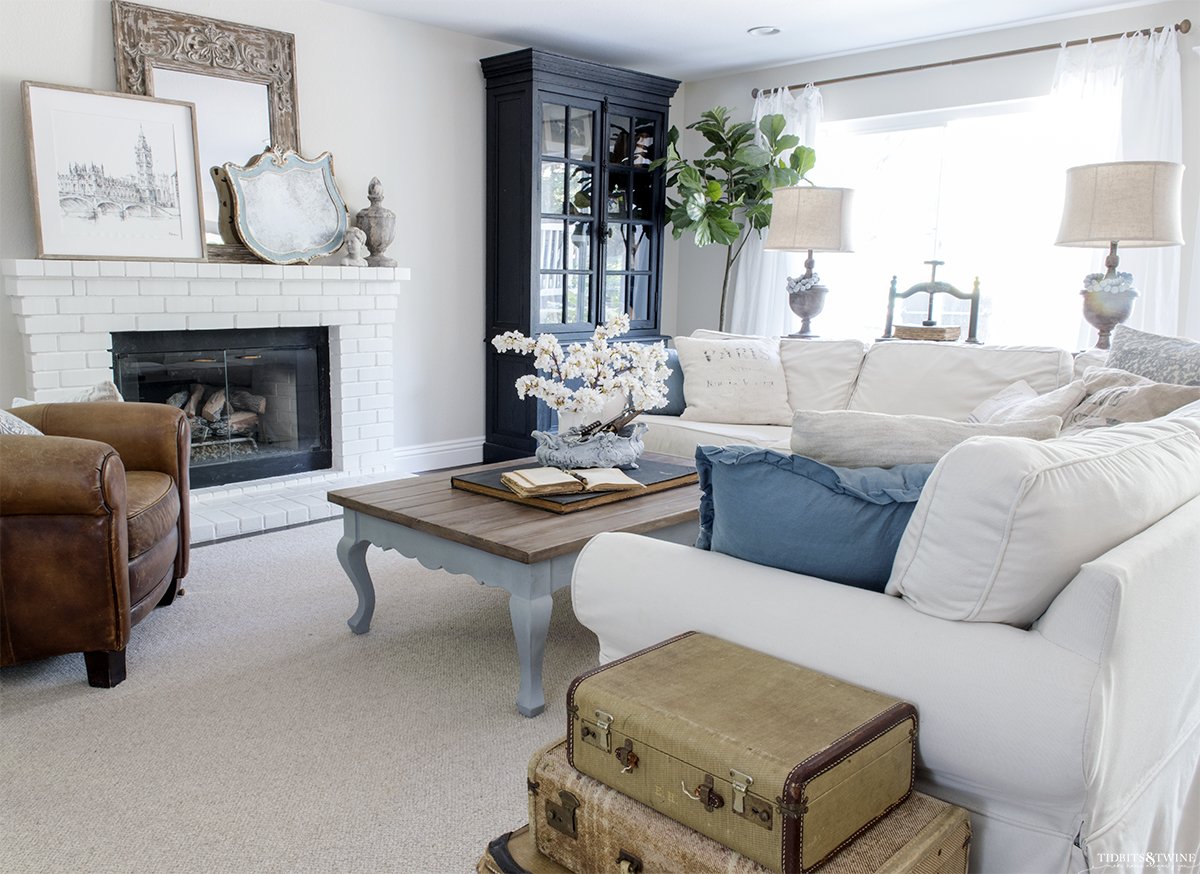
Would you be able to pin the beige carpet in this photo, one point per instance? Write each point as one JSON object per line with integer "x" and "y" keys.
{"x": 257, "y": 733}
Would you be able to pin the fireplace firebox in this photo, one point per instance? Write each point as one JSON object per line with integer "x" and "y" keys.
{"x": 257, "y": 399}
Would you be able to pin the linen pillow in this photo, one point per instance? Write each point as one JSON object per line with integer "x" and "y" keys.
{"x": 16, "y": 426}
{"x": 1163, "y": 359}
{"x": 1003, "y": 525}
{"x": 1118, "y": 396}
{"x": 820, "y": 374}
{"x": 852, "y": 438}
{"x": 734, "y": 381}
{"x": 791, "y": 512}
{"x": 1019, "y": 402}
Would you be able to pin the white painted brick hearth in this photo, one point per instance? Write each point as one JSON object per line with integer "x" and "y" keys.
{"x": 66, "y": 312}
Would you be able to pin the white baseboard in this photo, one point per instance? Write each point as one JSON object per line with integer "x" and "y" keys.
{"x": 432, "y": 456}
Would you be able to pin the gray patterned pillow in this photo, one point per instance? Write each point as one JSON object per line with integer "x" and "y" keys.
{"x": 1162, "y": 359}
{"x": 15, "y": 425}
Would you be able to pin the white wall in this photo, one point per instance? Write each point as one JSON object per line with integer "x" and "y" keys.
{"x": 699, "y": 270}
{"x": 388, "y": 98}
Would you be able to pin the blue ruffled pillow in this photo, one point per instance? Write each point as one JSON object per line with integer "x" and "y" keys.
{"x": 675, "y": 400}
{"x": 790, "y": 512}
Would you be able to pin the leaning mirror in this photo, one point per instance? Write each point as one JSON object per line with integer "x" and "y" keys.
{"x": 240, "y": 78}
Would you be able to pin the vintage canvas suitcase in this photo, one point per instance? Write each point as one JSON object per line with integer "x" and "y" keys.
{"x": 514, "y": 853}
{"x": 590, "y": 828}
{"x": 783, "y": 764}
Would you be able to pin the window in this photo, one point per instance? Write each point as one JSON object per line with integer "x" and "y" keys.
{"x": 979, "y": 188}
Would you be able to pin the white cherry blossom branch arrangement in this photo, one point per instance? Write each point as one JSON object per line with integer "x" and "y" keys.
{"x": 599, "y": 368}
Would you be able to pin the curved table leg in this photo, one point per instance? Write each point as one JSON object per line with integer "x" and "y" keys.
{"x": 352, "y": 554}
{"x": 530, "y": 622}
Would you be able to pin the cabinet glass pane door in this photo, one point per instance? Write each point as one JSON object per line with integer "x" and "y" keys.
{"x": 569, "y": 171}
{"x": 628, "y": 257}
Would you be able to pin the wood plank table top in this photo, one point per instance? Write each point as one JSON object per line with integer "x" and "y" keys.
{"x": 526, "y": 534}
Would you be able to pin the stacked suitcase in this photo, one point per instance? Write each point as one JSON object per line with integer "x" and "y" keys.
{"x": 697, "y": 755}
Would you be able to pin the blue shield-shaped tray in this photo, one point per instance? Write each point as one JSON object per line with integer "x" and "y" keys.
{"x": 287, "y": 209}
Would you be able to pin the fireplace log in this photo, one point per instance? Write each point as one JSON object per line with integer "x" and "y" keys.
{"x": 243, "y": 422}
{"x": 215, "y": 407}
{"x": 200, "y": 429}
{"x": 192, "y": 407}
{"x": 240, "y": 399}
{"x": 178, "y": 399}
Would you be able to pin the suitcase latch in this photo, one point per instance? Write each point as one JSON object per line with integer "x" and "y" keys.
{"x": 741, "y": 782}
{"x": 597, "y": 735}
{"x": 627, "y": 757}
{"x": 705, "y": 794}
{"x": 561, "y": 816}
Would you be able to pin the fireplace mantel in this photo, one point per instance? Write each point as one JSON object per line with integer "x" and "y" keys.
{"x": 66, "y": 312}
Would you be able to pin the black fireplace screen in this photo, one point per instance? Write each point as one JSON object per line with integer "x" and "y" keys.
{"x": 257, "y": 400}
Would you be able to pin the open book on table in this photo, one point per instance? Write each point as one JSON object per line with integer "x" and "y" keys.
{"x": 535, "y": 481}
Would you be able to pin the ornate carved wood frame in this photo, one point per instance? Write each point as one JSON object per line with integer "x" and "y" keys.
{"x": 145, "y": 38}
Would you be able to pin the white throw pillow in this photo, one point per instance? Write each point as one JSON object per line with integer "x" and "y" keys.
{"x": 820, "y": 374}
{"x": 1007, "y": 397}
{"x": 949, "y": 380}
{"x": 852, "y": 438}
{"x": 101, "y": 391}
{"x": 735, "y": 380}
{"x": 1003, "y": 525}
{"x": 1020, "y": 402}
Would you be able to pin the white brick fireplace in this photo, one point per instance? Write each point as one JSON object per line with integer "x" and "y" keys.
{"x": 67, "y": 311}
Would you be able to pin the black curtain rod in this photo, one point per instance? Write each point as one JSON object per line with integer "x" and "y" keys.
{"x": 1183, "y": 27}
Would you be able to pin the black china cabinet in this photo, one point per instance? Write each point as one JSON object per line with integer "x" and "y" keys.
{"x": 575, "y": 216}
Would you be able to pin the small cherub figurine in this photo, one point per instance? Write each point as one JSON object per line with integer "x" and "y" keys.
{"x": 356, "y": 248}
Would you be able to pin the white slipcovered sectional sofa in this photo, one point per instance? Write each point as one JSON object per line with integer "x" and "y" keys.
{"x": 1073, "y": 739}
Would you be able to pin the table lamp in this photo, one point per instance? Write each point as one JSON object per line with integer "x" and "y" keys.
{"x": 809, "y": 219}
{"x": 1134, "y": 203}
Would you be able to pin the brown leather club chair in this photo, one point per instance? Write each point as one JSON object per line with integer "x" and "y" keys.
{"x": 93, "y": 529}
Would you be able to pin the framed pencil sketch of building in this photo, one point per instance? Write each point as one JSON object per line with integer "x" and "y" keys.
{"x": 113, "y": 175}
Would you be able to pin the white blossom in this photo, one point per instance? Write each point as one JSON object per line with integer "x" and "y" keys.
{"x": 601, "y": 368}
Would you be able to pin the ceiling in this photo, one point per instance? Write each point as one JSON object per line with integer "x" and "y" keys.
{"x": 697, "y": 39}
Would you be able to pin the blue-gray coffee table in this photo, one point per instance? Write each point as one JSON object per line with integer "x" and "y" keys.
{"x": 525, "y": 551}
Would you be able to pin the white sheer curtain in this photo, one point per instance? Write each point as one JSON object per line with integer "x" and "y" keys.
{"x": 760, "y": 303}
{"x": 1141, "y": 76}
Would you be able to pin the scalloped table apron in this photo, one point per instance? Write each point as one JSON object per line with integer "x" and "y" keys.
{"x": 528, "y": 552}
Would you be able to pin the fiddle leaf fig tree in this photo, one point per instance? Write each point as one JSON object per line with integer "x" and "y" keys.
{"x": 725, "y": 195}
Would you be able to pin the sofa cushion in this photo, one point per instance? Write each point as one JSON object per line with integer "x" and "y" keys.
{"x": 1162, "y": 359}
{"x": 791, "y": 512}
{"x": 678, "y": 437}
{"x": 1004, "y": 524}
{"x": 933, "y": 379}
{"x": 153, "y": 508}
{"x": 735, "y": 380}
{"x": 851, "y": 438}
{"x": 820, "y": 374}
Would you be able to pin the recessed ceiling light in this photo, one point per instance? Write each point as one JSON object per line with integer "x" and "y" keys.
{"x": 763, "y": 30}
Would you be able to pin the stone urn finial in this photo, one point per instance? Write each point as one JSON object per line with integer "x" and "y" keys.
{"x": 379, "y": 224}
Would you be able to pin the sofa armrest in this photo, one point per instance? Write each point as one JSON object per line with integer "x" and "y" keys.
{"x": 60, "y": 476}
{"x": 64, "y": 548}
{"x": 147, "y": 437}
{"x": 1134, "y": 610}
